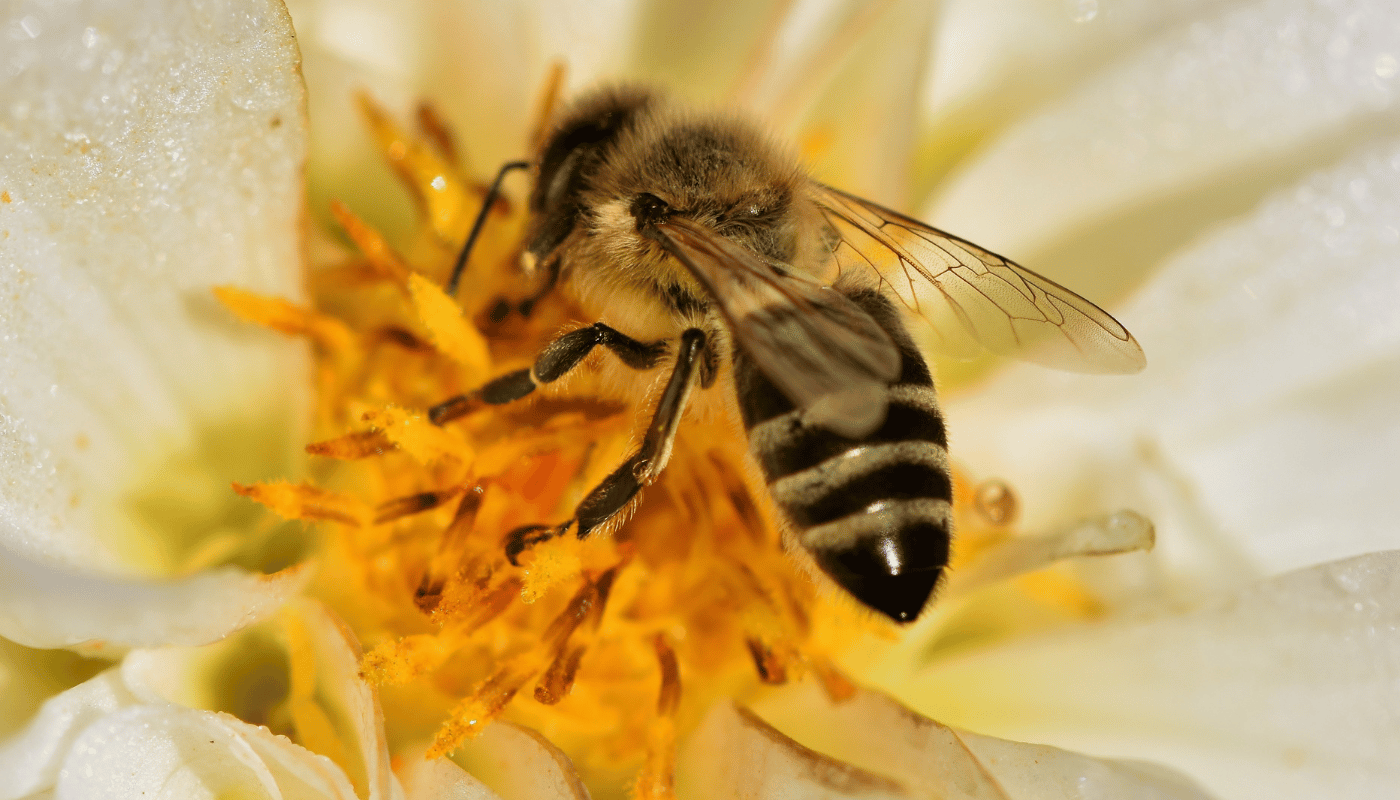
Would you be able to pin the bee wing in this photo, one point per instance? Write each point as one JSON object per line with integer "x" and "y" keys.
{"x": 971, "y": 296}
{"x": 822, "y": 350}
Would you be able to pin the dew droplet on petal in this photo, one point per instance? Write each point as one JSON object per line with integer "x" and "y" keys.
{"x": 1083, "y": 10}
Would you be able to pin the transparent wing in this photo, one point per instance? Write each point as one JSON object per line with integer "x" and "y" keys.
{"x": 821, "y": 349}
{"x": 974, "y": 298}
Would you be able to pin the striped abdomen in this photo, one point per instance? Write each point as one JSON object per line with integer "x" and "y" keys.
{"x": 875, "y": 512}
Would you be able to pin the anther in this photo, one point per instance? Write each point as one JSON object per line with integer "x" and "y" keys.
{"x": 400, "y": 507}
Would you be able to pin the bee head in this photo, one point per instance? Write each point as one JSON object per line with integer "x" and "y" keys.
{"x": 719, "y": 172}
{"x": 623, "y": 158}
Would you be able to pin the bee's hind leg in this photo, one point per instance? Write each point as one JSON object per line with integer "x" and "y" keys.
{"x": 617, "y": 490}
{"x": 560, "y": 356}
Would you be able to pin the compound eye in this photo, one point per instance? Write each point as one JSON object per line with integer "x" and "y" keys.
{"x": 648, "y": 209}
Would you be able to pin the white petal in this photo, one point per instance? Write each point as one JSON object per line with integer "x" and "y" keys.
{"x": 702, "y": 55}
{"x": 1107, "y": 535}
{"x": 146, "y": 156}
{"x": 171, "y": 752}
{"x": 1217, "y": 110}
{"x": 297, "y": 771}
{"x": 320, "y": 644}
{"x": 29, "y": 677}
{"x": 866, "y": 115}
{"x": 519, "y": 764}
{"x": 994, "y": 62}
{"x": 347, "y": 696}
{"x": 481, "y": 65}
{"x": 872, "y": 746}
{"x": 734, "y": 753}
{"x": 1288, "y": 690}
{"x": 1262, "y": 435}
{"x": 440, "y": 779}
{"x": 30, "y": 757}
{"x": 993, "y": 59}
{"x": 46, "y": 606}
{"x": 1037, "y": 772}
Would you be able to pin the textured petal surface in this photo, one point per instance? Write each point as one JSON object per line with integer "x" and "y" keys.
{"x": 995, "y": 58}
{"x": 1261, "y": 436}
{"x": 519, "y": 764}
{"x": 348, "y": 698}
{"x": 1288, "y": 690}
{"x": 870, "y": 746}
{"x": 46, "y": 606}
{"x": 440, "y": 779}
{"x": 1154, "y": 146}
{"x": 173, "y": 752}
{"x": 305, "y": 670}
{"x": 144, "y": 158}
{"x": 480, "y": 64}
{"x": 737, "y": 754}
{"x": 994, "y": 62}
{"x": 157, "y": 724}
{"x": 30, "y": 757}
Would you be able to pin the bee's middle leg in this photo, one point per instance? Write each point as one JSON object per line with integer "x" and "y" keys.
{"x": 616, "y": 491}
{"x": 560, "y": 356}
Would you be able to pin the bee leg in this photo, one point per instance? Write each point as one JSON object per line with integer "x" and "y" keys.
{"x": 618, "y": 489}
{"x": 562, "y": 355}
{"x": 522, "y": 539}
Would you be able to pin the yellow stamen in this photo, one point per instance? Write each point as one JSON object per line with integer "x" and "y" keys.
{"x": 569, "y": 638}
{"x": 292, "y": 501}
{"x": 431, "y": 123}
{"x": 424, "y": 442}
{"x": 351, "y": 446}
{"x": 285, "y": 317}
{"x": 451, "y": 334}
{"x": 657, "y": 778}
{"x": 547, "y": 104}
{"x": 446, "y": 203}
{"x": 400, "y": 507}
{"x": 377, "y": 251}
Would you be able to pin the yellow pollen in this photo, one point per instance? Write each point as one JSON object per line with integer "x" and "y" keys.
{"x": 612, "y": 646}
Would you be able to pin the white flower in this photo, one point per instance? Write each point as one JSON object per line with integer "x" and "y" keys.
{"x": 146, "y": 162}
{"x": 141, "y": 165}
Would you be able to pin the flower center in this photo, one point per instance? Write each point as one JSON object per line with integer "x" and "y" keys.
{"x": 607, "y": 645}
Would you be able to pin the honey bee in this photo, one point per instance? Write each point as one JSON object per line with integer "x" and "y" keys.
{"x": 702, "y": 245}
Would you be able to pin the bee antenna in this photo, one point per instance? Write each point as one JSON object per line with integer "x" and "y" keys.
{"x": 486, "y": 203}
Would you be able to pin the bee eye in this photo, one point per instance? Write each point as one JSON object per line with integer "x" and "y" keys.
{"x": 754, "y": 211}
{"x": 649, "y": 209}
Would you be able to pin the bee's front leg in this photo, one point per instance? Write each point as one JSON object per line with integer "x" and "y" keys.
{"x": 562, "y": 355}
{"x": 611, "y": 497}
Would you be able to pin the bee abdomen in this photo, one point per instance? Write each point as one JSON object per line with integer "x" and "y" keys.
{"x": 875, "y": 513}
{"x": 863, "y": 478}
{"x": 785, "y": 445}
{"x": 890, "y": 556}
